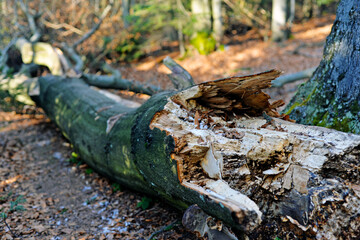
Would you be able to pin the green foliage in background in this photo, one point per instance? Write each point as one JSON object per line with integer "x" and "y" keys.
{"x": 152, "y": 23}
{"x": 324, "y": 2}
{"x": 204, "y": 42}
{"x": 8, "y": 103}
{"x": 130, "y": 48}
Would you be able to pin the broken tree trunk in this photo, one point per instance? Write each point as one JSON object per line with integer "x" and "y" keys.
{"x": 221, "y": 146}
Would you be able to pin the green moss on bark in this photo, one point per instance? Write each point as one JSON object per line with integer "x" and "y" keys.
{"x": 331, "y": 97}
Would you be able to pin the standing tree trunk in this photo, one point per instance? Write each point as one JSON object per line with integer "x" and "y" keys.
{"x": 278, "y": 21}
{"x": 217, "y": 21}
{"x": 125, "y": 12}
{"x": 331, "y": 98}
{"x": 201, "y": 11}
{"x": 282, "y": 14}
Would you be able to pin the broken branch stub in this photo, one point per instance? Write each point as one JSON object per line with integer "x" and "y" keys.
{"x": 179, "y": 76}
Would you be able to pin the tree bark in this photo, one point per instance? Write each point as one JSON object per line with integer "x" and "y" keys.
{"x": 217, "y": 21}
{"x": 282, "y": 12}
{"x": 331, "y": 98}
{"x": 201, "y": 11}
{"x": 219, "y": 145}
{"x": 125, "y": 12}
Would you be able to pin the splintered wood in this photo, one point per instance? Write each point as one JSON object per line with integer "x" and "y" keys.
{"x": 279, "y": 173}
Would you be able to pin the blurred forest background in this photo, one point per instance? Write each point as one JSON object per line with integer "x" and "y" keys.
{"x": 135, "y": 29}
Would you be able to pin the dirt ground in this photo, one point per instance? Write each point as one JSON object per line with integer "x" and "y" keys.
{"x": 47, "y": 193}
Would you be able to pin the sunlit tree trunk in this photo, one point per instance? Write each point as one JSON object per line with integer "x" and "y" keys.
{"x": 278, "y": 21}
{"x": 201, "y": 11}
{"x": 290, "y": 14}
{"x": 283, "y": 14}
{"x": 217, "y": 21}
{"x": 331, "y": 98}
{"x": 3, "y": 7}
{"x": 125, "y": 12}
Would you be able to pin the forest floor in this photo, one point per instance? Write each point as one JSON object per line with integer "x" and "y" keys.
{"x": 47, "y": 193}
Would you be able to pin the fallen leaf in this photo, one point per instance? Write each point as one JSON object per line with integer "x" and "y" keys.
{"x": 39, "y": 228}
{"x": 66, "y": 230}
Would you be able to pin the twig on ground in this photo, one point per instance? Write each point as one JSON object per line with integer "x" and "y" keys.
{"x": 11, "y": 232}
{"x": 163, "y": 229}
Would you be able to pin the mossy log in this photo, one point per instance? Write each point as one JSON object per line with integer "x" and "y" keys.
{"x": 220, "y": 145}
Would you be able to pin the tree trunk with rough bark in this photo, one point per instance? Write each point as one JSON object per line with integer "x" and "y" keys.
{"x": 220, "y": 145}
{"x": 331, "y": 98}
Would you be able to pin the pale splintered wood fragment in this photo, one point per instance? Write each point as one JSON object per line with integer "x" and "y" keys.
{"x": 112, "y": 120}
{"x": 212, "y": 163}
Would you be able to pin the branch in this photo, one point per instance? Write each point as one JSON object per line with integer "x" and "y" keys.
{"x": 108, "y": 69}
{"x": 31, "y": 20}
{"x": 163, "y": 229}
{"x": 102, "y": 81}
{"x": 63, "y": 25}
{"x": 16, "y": 17}
{"x": 246, "y": 13}
{"x": 289, "y": 78}
{"x": 96, "y": 27}
{"x": 4, "y": 56}
{"x": 7, "y": 225}
{"x": 69, "y": 51}
{"x": 179, "y": 77}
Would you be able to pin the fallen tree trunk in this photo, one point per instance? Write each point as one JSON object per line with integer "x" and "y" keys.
{"x": 219, "y": 145}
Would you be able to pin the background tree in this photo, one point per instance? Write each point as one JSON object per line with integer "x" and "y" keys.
{"x": 331, "y": 98}
{"x": 125, "y": 12}
{"x": 283, "y": 12}
{"x": 217, "y": 20}
{"x": 201, "y": 12}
